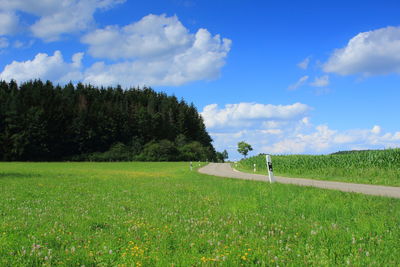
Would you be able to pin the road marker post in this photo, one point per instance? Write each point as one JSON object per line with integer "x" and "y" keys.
{"x": 269, "y": 168}
{"x": 191, "y": 165}
{"x": 254, "y": 167}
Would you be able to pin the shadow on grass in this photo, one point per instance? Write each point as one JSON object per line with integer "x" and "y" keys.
{"x": 18, "y": 175}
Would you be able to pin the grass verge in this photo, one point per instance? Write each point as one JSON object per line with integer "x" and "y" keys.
{"x": 159, "y": 214}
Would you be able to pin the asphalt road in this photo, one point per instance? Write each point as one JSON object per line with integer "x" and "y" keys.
{"x": 225, "y": 170}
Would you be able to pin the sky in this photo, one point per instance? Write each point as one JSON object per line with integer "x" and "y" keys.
{"x": 287, "y": 77}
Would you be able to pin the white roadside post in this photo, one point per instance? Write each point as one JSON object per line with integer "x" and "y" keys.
{"x": 191, "y": 165}
{"x": 269, "y": 168}
{"x": 254, "y": 169}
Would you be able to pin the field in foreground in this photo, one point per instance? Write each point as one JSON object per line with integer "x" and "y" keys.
{"x": 161, "y": 214}
{"x": 381, "y": 167}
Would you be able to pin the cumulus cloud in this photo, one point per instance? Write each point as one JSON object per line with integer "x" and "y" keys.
{"x": 23, "y": 45}
{"x": 294, "y": 139}
{"x": 151, "y": 36}
{"x": 58, "y": 17}
{"x": 246, "y": 114}
{"x": 45, "y": 67}
{"x": 317, "y": 141}
{"x": 4, "y": 42}
{"x": 8, "y": 23}
{"x": 157, "y": 50}
{"x": 368, "y": 53}
{"x": 321, "y": 81}
{"x": 304, "y": 64}
{"x": 286, "y": 130}
{"x": 299, "y": 83}
{"x": 376, "y": 129}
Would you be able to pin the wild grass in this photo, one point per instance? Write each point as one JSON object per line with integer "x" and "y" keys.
{"x": 368, "y": 167}
{"x": 162, "y": 214}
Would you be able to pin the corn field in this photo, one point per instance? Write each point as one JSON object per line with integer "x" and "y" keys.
{"x": 369, "y": 166}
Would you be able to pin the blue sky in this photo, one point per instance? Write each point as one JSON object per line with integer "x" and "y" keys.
{"x": 285, "y": 76}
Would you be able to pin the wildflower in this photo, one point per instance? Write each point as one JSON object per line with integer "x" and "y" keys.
{"x": 313, "y": 232}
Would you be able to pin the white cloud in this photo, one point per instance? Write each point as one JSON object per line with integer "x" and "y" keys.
{"x": 305, "y": 120}
{"x": 45, "y": 67}
{"x": 157, "y": 50}
{"x": 321, "y": 81}
{"x": 315, "y": 140}
{"x": 368, "y": 53}
{"x": 23, "y": 45}
{"x": 18, "y": 44}
{"x": 276, "y": 130}
{"x": 376, "y": 129}
{"x": 304, "y": 64}
{"x": 396, "y": 136}
{"x": 35, "y": 7}
{"x": 4, "y": 42}
{"x": 150, "y": 37}
{"x": 8, "y": 23}
{"x": 200, "y": 57}
{"x": 299, "y": 83}
{"x": 58, "y": 17}
{"x": 246, "y": 114}
{"x": 322, "y": 91}
{"x": 344, "y": 138}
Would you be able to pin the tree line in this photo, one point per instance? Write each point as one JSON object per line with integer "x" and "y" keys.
{"x": 40, "y": 121}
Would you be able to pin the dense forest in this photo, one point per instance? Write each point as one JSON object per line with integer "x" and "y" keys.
{"x": 43, "y": 122}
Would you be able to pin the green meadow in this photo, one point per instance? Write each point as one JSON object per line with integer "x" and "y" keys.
{"x": 381, "y": 167}
{"x": 163, "y": 214}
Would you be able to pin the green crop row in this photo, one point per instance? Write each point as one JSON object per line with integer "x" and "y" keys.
{"x": 369, "y": 167}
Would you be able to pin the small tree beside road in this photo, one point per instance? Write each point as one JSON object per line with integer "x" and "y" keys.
{"x": 244, "y": 148}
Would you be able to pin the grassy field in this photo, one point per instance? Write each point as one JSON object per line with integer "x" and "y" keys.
{"x": 380, "y": 167}
{"x": 161, "y": 214}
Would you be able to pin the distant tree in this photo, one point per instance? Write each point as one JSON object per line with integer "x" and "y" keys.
{"x": 219, "y": 156}
{"x": 193, "y": 151}
{"x": 225, "y": 154}
{"x": 244, "y": 148}
{"x": 136, "y": 145}
{"x": 180, "y": 140}
{"x": 43, "y": 122}
{"x": 117, "y": 152}
{"x": 163, "y": 150}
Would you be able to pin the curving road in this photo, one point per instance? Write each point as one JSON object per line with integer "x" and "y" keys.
{"x": 225, "y": 170}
